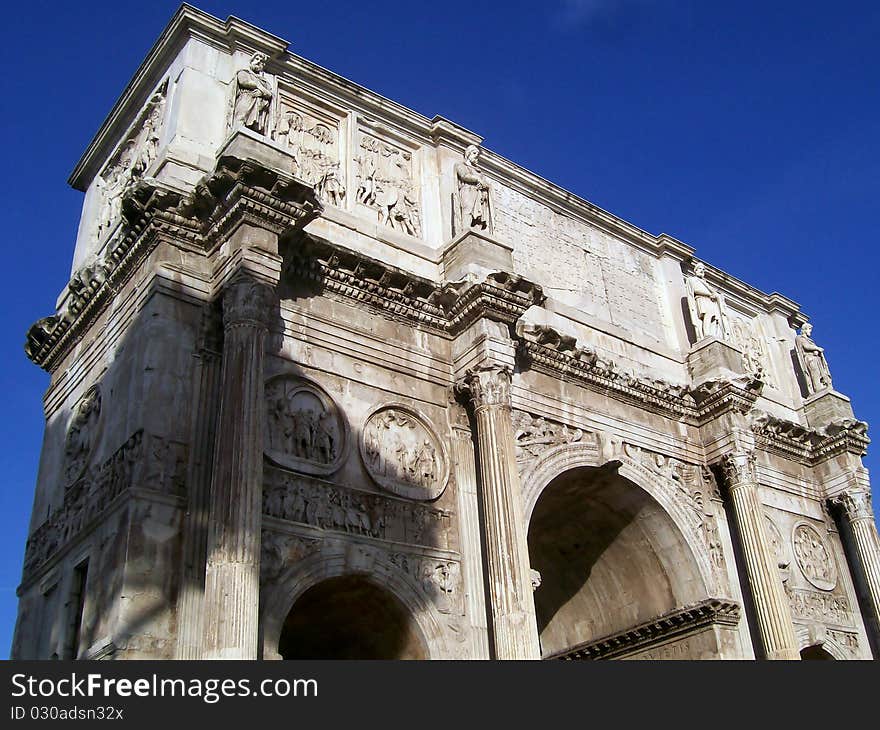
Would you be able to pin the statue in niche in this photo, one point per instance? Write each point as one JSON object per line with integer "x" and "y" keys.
{"x": 812, "y": 361}
{"x": 472, "y": 203}
{"x": 707, "y": 308}
{"x": 253, "y": 93}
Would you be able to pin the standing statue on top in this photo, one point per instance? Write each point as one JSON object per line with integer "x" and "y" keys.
{"x": 812, "y": 361}
{"x": 472, "y": 201}
{"x": 707, "y": 308}
{"x": 253, "y": 95}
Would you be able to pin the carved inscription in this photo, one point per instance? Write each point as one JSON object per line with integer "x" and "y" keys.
{"x": 304, "y": 428}
{"x": 341, "y": 509}
{"x": 403, "y": 454}
{"x": 385, "y": 182}
{"x": 813, "y": 557}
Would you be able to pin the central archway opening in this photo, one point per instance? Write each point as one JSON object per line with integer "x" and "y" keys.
{"x": 349, "y": 617}
{"x": 609, "y": 556}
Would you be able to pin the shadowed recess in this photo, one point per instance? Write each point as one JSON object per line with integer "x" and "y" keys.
{"x": 349, "y": 618}
{"x": 609, "y": 558}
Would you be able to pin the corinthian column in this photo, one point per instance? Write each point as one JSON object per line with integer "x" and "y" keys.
{"x": 232, "y": 576}
{"x": 514, "y": 627}
{"x": 768, "y": 595}
{"x": 856, "y": 506}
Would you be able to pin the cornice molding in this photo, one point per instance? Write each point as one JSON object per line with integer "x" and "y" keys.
{"x": 676, "y": 624}
{"x": 237, "y": 192}
{"x": 809, "y": 446}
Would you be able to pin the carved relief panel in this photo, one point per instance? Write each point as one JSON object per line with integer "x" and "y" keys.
{"x": 313, "y": 138}
{"x": 304, "y": 428}
{"x": 387, "y": 182}
{"x": 813, "y": 557}
{"x": 311, "y": 502}
{"x": 132, "y": 158}
{"x": 82, "y": 434}
{"x": 749, "y": 339}
{"x": 403, "y": 454}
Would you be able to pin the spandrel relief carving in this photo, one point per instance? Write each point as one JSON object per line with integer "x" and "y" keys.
{"x": 341, "y": 509}
{"x": 403, "y": 455}
{"x": 472, "y": 199}
{"x": 132, "y": 160}
{"x": 82, "y": 434}
{"x": 707, "y": 307}
{"x": 281, "y": 550}
{"x": 533, "y": 435}
{"x": 253, "y": 90}
{"x": 385, "y": 182}
{"x": 315, "y": 148}
{"x": 813, "y": 557}
{"x": 304, "y": 428}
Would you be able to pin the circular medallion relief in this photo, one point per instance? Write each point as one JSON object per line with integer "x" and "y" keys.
{"x": 82, "y": 434}
{"x": 304, "y": 429}
{"x": 403, "y": 454}
{"x": 813, "y": 557}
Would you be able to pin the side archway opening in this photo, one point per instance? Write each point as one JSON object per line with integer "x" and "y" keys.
{"x": 350, "y": 617}
{"x": 610, "y": 559}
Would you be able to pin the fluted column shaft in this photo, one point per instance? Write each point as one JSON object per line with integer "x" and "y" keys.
{"x": 514, "y": 627}
{"x": 195, "y": 537}
{"x": 232, "y": 576}
{"x": 856, "y": 507}
{"x": 771, "y": 604}
{"x": 464, "y": 462}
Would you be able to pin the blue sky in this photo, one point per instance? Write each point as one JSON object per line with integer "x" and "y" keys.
{"x": 748, "y": 130}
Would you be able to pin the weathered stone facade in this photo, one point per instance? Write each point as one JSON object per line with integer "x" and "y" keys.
{"x": 329, "y": 380}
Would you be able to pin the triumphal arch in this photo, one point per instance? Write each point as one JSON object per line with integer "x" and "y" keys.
{"x": 330, "y": 379}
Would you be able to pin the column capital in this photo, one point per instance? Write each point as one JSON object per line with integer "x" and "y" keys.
{"x": 487, "y": 385}
{"x": 739, "y": 468}
{"x": 247, "y": 301}
{"x": 855, "y": 503}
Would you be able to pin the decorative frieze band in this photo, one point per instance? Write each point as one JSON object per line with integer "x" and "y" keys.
{"x": 144, "y": 460}
{"x": 336, "y": 508}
